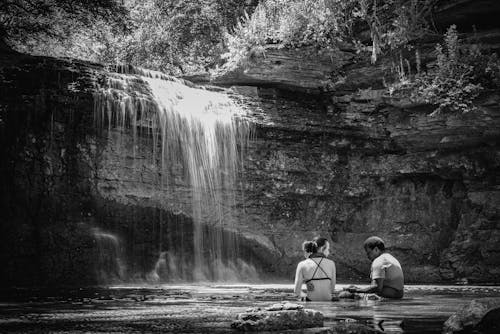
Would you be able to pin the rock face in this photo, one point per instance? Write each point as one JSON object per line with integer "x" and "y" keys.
{"x": 302, "y": 70}
{"x": 354, "y": 167}
{"x": 480, "y": 316}
{"x": 328, "y": 156}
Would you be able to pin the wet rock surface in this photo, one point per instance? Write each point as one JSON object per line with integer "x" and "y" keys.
{"x": 277, "y": 317}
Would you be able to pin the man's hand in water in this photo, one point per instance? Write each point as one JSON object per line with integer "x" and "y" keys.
{"x": 351, "y": 288}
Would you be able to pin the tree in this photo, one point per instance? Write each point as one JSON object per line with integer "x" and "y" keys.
{"x": 196, "y": 29}
{"x": 25, "y": 21}
{"x": 176, "y": 37}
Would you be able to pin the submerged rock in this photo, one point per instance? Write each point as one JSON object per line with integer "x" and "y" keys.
{"x": 278, "y": 317}
{"x": 347, "y": 295}
{"x": 351, "y": 295}
{"x": 348, "y": 327}
{"x": 479, "y": 316}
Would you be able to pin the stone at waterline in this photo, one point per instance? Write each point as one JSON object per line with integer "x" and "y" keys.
{"x": 352, "y": 327}
{"x": 351, "y": 295}
{"x": 278, "y": 317}
{"x": 348, "y": 295}
{"x": 479, "y": 316}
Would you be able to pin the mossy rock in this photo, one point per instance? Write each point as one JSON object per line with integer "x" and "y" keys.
{"x": 479, "y": 316}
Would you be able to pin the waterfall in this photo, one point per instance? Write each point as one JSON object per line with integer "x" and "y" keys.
{"x": 197, "y": 131}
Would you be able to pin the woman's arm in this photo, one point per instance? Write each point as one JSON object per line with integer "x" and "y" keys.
{"x": 299, "y": 279}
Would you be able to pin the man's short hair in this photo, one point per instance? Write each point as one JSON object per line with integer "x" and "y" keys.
{"x": 373, "y": 242}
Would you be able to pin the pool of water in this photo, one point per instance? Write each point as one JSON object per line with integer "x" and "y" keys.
{"x": 193, "y": 308}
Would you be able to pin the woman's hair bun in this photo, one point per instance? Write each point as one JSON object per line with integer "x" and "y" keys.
{"x": 320, "y": 241}
{"x": 309, "y": 246}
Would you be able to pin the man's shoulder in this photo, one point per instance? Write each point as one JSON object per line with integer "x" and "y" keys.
{"x": 390, "y": 258}
{"x": 383, "y": 259}
{"x": 379, "y": 259}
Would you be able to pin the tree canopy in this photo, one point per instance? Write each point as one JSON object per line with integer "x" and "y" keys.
{"x": 187, "y": 36}
{"x": 27, "y": 21}
{"x": 177, "y": 36}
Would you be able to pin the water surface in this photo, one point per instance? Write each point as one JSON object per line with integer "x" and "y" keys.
{"x": 210, "y": 307}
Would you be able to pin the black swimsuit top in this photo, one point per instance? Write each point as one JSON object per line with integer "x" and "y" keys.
{"x": 318, "y": 266}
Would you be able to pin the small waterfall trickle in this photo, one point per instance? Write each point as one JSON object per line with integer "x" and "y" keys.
{"x": 110, "y": 265}
{"x": 194, "y": 130}
{"x": 160, "y": 270}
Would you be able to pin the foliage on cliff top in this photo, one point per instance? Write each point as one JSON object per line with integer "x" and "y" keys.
{"x": 459, "y": 75}
{"x": 186, "y": 36}
{"x": 291, "y": 23}
{"x": 177, "y": 37}
{"x": 323, "y": 23}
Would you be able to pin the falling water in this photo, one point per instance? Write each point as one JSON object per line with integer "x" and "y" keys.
{"x": 160, "y": 268}
{"x": 198, "y": 131}
{"x": 110, "y": 266}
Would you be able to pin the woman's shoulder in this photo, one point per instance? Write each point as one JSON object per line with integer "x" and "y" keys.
{"x": 305, "y": 261}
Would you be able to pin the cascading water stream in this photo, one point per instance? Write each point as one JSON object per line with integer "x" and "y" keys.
{"x": 110, "y": 260}
{"x": 195, "y": 130}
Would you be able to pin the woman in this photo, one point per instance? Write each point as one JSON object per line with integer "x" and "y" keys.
{"x": 316, "y": 271}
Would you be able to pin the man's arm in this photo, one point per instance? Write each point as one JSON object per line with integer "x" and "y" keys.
{"x": 376, "y": 286}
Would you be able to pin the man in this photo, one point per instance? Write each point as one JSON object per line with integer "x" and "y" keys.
{"x": 386, "y": 273}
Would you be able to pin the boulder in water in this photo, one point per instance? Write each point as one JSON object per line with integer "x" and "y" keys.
{"x": 278, "y": 317}
{"x": 479, "y": 316}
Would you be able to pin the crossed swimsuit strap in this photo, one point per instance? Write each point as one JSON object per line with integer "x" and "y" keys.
{"x": 321, "y": 278}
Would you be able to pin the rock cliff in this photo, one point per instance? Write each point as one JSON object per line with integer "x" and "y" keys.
{"x": 332, "y": 154}
{"x": 345, "y": 158}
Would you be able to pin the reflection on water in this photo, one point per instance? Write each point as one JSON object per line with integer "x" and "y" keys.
{"x": 135, "y": 307}
{"x": 423, "y": 309}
